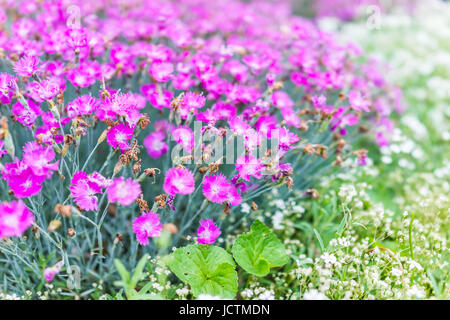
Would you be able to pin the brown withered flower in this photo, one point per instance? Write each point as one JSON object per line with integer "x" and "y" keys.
{"x": 161, "y": 200}
{"x": 144, "y": 121}
{"x": 309, "y": 149}
{"x": 151, "y": 172}
{"x": 312, "y": 193}
{"x": 143, "y": 204}
{"x": 137, "y": 166}
{"x": 203, "y": 170}
{"x": 226, "y": 209}
{"x": 71, "y": 232}
{"x": 63, "y": 210}
{"x": 54, "y": 225}
{"x": 112, "y": 209}
{"x": 170, "y": 228}
{"x": 289, "y": 182}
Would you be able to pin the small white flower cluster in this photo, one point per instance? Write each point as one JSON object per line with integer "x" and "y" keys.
{"x": 255, "y": 292}
{"x": 6, "y": 296}
{"x": 372, "y": 257}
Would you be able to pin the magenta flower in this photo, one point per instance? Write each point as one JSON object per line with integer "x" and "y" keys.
{"x": 49, "y": 88}
{"x": 26, "y": 116}
{"x": 215, "y": 188}
{"x": 224, "y": 111}
{"x": 161, "y": 72}
{"x": 234, "y": 197}
{"x": 238, "y": 126}
{"x": 381, "y": 139}
{"x": 286, "y": 139}
{"x": 51, "y": 272}
{"x": 21, "y": 179}
{"x": 358, "y": 102}
{"x": 282, "y": 100}
{"x": 192, "y": 100}
{"x": 76, "y": 37}
{"x": 124, "y": 191}
{"x": 119, "y": 135}
{"x": 208, "y": 232}
{"x": 179, "y": 181}
{"x": 146, "y": 226}
{"x": 155, "y": 144}
{"x": 248, "y": 166}
{"x": 15, "y": 218}
{"x": 2, "y": 151}
{"x": 266, "y": 124}
{"x": 38, "y": 158}
{"x": 8, "y": 84}
{"x": 84, "y": 189}
{"x": 80, "y": 78}
{"x": 83, "y": 105}
{"x": 120, "y": 104}
{"x": 184, "y": 136}
{"x": 236, "y": 69}
{"x": 27, "y": 66}
{"x": 190, "y": 104}
{"x": 158, "y": 98}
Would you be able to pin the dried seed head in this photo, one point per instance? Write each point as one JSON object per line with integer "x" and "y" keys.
{"x": 63, "y": 210}
{"x": 102, "y": 136}
{"x": 68, "y": 139}
{"x": 289, "y": 182}
{"x": 71, "y": 232}
{"x": 363, "y": 129}
{"x": 54, "y": 225}
{"x": 170, "y": 227}
{"x": 80, "y": 132}
{"x": 144, "y": 121}
{"x": 203, "y": 170}
{"x": 118, "y": 166}
{"x": 137, "y": 166}
{"x": 161, "y": 200}
{"x": 40, "y": 138}
{"x": 338, "y": 161}
{"x": 303, "y": 112}
{"x": 112, "y": 209}
{"x": 322, "y": 151}
{"x": 309, "y": 149}
{"x": 277, "y": 85}
{"x": 151, "y": 172}
{"x": 60, "y": 97}
{"x": 143, "y": 204}
{"x": 213, "y": 167}
{"x": 226, "y": 209}
{"x": 187, "y": 159}
{"x": 54, "y": 131}
{"x": 341, "y": 143}
{"x": 312, "y": 193}
{"x": 35, "y": 231}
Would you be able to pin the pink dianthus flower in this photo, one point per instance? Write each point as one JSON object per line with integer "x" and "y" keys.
{"x": 155, "y": 144}
{"x": 124, "y": 191}
{"x": 208, "y": 232}
{"x": 119, "y": 135}
{"x": 27, "y": 66}
{"x": 179, "y": 181}
{"x": 215, "y": 188}
{"x": 248, "y": 166}
{"x": 15, "y": 218}
{"x": 146, "y": 226}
